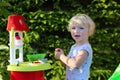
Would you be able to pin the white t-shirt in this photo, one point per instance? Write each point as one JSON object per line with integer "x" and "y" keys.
{"x": 83, "y": 72}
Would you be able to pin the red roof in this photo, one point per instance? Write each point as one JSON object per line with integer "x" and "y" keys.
{"x": 18, "y": 22}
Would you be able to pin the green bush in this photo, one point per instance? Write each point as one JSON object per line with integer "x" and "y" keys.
{"x": 48, "y": 20}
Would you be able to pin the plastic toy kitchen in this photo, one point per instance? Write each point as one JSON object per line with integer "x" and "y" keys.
{"x": 34, "y": 68}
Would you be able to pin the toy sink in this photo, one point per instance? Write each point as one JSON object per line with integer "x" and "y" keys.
{"x": 35, "y": 57}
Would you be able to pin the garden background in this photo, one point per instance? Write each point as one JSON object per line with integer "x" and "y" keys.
{"x": 48, "y": 19}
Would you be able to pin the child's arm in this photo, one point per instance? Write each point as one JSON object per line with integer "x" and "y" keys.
{"x": 72, "y": 62}
{"x": 63, "y": 64}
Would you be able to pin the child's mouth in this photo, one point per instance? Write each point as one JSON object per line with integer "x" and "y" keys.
{"x": 77, "y": 35}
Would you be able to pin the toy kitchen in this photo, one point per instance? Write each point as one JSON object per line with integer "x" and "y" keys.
{"x": 19, "y": 69}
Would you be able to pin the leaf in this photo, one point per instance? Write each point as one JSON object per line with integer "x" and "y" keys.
{"x": 2, "y": 47}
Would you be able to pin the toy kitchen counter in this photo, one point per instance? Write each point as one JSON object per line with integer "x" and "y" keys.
{"x": 28, "y": 71}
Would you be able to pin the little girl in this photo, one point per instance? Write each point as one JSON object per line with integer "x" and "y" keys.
{"x": 79, "y": 60}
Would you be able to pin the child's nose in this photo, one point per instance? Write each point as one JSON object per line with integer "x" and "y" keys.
{"x": 76, "y": 30}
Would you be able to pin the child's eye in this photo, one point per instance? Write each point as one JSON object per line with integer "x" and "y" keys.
{"x": 73, "y": 28}
{"x": 81, "y": 27}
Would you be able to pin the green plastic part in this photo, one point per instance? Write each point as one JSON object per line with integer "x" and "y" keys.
{"x": 27, "y": 66}
{"x": 116, "y": 74}
{"x": 35, "y": 57}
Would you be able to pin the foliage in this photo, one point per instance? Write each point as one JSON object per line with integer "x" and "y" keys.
{"x": 4, "y": 12}
{"x": 48, "y": 20}
{"x": 4, "y": 62}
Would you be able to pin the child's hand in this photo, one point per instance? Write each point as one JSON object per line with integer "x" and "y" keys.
{"x": 58, "y": 52}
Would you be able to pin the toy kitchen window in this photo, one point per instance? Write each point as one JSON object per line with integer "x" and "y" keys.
{"x": 17, "y": 36}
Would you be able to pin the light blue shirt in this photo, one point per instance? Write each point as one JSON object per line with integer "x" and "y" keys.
{"x": 83, "y": 72}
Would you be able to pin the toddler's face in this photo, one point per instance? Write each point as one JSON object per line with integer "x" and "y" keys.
{"x": 79, "y": 32}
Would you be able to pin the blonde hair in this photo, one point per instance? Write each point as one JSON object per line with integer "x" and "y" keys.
{"x": 85, "y": 19}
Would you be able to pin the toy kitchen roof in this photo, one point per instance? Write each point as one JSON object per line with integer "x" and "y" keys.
{"x": 17, "y": 22}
